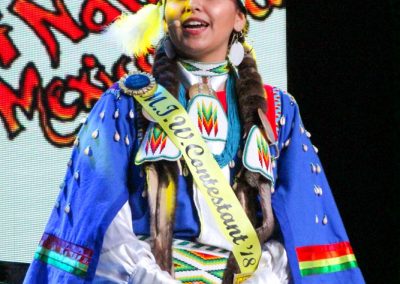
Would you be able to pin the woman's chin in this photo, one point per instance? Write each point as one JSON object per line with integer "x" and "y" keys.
{"x": 192, "y": 52}
{"x": 200, "y": 53}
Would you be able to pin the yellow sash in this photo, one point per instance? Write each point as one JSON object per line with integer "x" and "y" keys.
{"x": 225, "y": 207}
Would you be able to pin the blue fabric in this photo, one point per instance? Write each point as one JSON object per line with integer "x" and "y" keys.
{"x": 108, "y": 178}
{"x": 188, "y": 226}
{"x": 100, "y": 190}
{"x": 296, "y": 204}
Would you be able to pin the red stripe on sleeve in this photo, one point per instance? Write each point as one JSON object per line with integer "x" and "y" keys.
{"x": 310, "y": 253}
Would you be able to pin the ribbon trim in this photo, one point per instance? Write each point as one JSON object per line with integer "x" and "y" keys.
{"x": 329, "y": 269}
{"x": 64, "y": 255}
{"x": 60, "y": 261}
{"x": 323, "y": 259}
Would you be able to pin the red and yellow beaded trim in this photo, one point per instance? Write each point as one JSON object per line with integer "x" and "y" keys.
{"x": 323, "y": 259}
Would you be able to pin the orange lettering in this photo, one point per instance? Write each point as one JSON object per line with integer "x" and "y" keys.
{"x": 41, "y": 20}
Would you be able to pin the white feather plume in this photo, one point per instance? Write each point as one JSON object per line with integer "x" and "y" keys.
{"x": 136, "y": 33}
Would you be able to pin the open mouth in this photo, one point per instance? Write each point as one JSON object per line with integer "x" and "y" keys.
{"x": 194, "y": 25}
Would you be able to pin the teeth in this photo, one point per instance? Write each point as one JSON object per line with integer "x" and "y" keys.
{"x": 194, "y": 23}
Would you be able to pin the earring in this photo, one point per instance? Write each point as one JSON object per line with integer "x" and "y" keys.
{"x": 169, "y": 48}
{"x": 236, "y": 50}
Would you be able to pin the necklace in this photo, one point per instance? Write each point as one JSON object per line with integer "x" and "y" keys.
{"x": 205, "y": 69}
{"x": 204, "y": 78}
{"x": 234, "y": 128}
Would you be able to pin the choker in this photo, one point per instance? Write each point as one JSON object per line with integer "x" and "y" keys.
{"x": 212, "y": 74}
{"x": 205, "y": 69}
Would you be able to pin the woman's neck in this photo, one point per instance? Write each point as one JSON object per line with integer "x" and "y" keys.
{"x": 193, "y": 72}
{"x": 208, "y": 57}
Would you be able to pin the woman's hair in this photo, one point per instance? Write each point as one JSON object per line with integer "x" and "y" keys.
{"x": 250, "y": 97}
{"x": 249, "y": 86}
{"x": 249, "y": 90}
{"x": 165, "y": 71}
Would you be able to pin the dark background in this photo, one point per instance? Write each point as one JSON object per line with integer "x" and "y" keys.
{"x": 344, "y": 59}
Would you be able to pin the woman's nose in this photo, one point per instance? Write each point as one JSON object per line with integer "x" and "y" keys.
{"x": 193, "y": 5}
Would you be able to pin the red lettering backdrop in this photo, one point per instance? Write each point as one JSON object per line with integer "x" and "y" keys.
{"x": 31, "y": 94}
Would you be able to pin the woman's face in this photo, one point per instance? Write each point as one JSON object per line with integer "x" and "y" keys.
{"x": 200, "y": 29}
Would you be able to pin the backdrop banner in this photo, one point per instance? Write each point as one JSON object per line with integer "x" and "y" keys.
{"x": 54, "y": 65}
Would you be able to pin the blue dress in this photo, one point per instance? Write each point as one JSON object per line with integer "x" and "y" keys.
{"x": 102, "y": 177}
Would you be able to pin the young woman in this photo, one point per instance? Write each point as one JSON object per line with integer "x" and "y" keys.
{"x": 128, "y": 178}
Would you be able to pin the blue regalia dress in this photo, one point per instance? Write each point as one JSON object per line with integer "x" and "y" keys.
{"x": 104, "y": 186}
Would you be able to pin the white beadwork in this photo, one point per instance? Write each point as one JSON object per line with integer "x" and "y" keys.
{"x": 117, "y": 137}
{"x": 116, "y": 113}
{"x": 282, "y": 121}
{"x": 76, "y": 142}
{"x": 95, "y": 134}
{"x": 318, "y": 190}
{"x": 313, "y": 168}
{"x": 87, "y": 151}
{"x": 67, "y": 208}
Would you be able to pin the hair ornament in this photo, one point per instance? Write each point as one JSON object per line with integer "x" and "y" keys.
{"x": 137, "y": 32}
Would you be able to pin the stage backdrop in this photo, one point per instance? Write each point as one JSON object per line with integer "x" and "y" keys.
{"x": 54, "y": 65}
